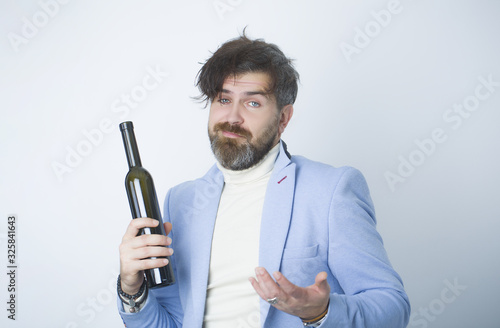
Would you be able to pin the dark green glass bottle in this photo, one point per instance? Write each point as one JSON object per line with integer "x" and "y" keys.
{"x": 143, "y": 202}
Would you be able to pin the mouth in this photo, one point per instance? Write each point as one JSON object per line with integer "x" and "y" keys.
{"x": 228, "y": 134}
{"x": 233, "y": 132}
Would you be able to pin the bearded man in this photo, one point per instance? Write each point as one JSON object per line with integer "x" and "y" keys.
{"x": 264, "y": 239}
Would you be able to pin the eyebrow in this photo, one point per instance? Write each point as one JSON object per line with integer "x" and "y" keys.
{"x": 248, "y": 93}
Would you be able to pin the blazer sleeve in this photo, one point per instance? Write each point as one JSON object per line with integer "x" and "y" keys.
{"x": 163, "y": 306}
{"x": 374, "y": 294}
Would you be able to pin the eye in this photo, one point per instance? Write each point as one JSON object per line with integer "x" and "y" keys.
{"x": 223, "y": 101}
{"x": 253, "y": 104}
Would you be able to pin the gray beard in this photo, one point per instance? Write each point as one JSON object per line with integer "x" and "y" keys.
{"x": 237, "y": 155}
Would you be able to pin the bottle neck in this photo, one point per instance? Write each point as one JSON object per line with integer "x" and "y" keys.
{"x": 133, "y": 158}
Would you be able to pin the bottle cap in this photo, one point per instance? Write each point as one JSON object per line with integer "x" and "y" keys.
{"x": 128, "y": 125}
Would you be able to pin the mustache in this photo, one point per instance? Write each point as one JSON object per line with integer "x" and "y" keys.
{"x": 226, "y": 126}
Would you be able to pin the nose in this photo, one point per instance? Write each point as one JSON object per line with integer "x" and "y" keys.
{"x": 234, "y": 114}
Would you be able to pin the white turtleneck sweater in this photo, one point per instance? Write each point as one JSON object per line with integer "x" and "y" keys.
{"x": 231, "y": 300}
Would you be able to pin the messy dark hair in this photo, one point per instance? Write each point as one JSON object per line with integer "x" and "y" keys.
{"x": 243, "y": 55}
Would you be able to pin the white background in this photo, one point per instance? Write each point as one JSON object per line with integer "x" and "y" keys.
{"x": 63, "y": 76}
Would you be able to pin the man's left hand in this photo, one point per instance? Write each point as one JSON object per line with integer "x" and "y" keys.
{"x": 304, "y": 302}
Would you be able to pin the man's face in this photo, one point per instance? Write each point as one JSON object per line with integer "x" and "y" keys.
{"x": 244, "y": 121}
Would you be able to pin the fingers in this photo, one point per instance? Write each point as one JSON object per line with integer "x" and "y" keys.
{"x": 148, "y": 240}
{"x": 168, "y": 227}
{"x": 265, "y": 285}
{"x": 138, "y": 266}
{"x": 131, "y": 272}
{"x": 321, "y": 283}
{"x": 145, "y": 246}
{"x": 304, "y": 302}
{"x": 142, "y": 252}
{"x": 137, "y": 224}
{"x": 284, "y": 283}
{"x": 145, "y": 252}
{"x": 133, "y": 260}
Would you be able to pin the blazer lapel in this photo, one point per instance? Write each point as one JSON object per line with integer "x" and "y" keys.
{"x": 276, "y": 217}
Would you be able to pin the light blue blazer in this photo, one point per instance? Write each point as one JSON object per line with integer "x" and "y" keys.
{"x": 315, "y": 218}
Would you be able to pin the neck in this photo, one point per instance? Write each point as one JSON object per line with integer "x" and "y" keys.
{"x": 254, "y": 173}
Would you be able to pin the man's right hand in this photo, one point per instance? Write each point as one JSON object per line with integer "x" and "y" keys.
{"x": 134, "y": 251}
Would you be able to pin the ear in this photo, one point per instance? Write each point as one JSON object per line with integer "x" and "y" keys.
{"x": 285, "y": 117}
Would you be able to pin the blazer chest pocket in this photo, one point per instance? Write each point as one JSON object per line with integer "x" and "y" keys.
{"x": 292, "y": 253}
